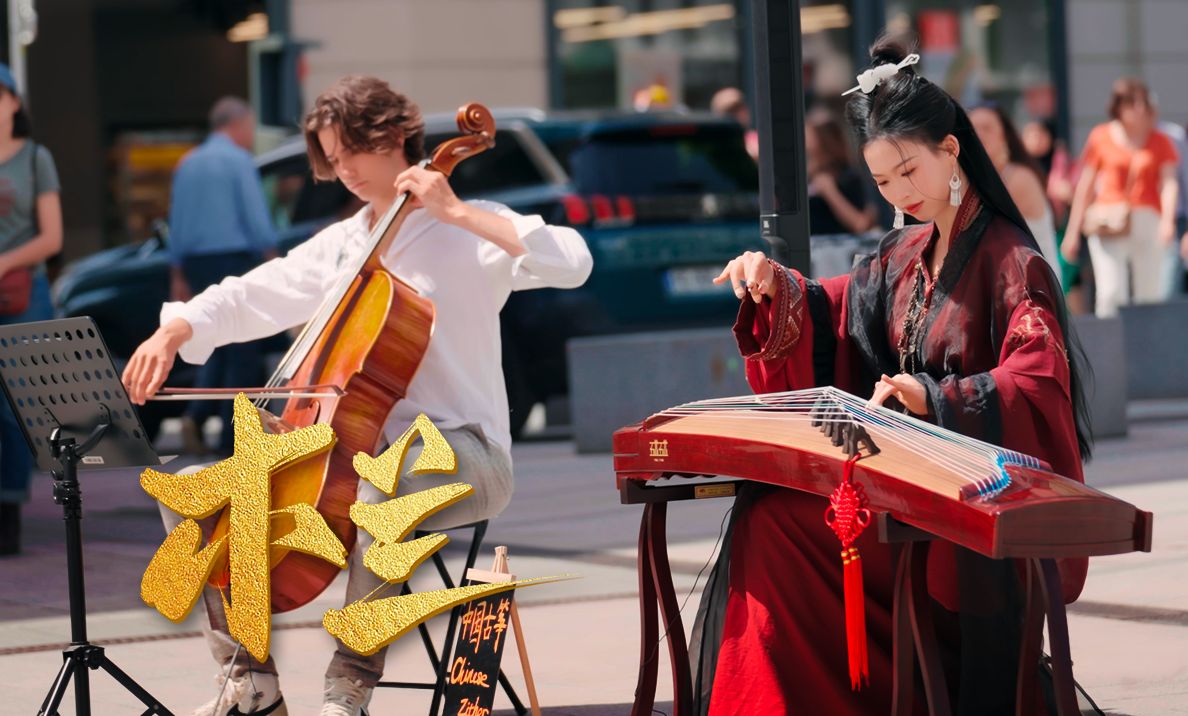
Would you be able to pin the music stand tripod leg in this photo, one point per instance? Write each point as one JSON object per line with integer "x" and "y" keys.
{"x": 154, "y": 706}
{"x": 49, "y": 707}
{"x": 82, "y": 687}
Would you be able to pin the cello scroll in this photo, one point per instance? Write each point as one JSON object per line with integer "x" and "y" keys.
{"x": 477, "y": 125}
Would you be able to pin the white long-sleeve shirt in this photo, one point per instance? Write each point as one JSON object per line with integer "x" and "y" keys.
{"x": 460, "y": 379}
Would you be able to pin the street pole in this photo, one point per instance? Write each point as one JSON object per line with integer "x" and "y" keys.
{"x": 779, "y": 110}
{"x": 22, "y": 30}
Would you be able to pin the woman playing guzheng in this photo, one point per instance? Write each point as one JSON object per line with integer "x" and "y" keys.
{"x": 958, "y": 321}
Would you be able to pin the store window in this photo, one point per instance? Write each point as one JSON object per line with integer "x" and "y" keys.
{"x": 631, "y": 53}
{"x": 658, "y": 54}
{"x": 980, "y": 51}
{"x": 646, "y": 54}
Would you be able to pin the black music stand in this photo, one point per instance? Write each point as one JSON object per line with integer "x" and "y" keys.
{"x": 64, "y": 389}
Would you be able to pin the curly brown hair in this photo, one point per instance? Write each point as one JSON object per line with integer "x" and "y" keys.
{"x": 370, "y": 117}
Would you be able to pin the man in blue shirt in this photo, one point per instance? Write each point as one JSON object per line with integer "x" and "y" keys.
{"x": 218, "y": 227}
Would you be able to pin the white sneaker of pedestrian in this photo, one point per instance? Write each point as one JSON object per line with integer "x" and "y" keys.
{"x": 253, "y": 694}
{"x": 345, "y": 697}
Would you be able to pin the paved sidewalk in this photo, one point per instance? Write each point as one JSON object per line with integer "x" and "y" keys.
{"x": 1129, "y": 630}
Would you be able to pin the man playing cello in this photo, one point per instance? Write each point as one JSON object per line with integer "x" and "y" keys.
{"x": 466, "y": 257}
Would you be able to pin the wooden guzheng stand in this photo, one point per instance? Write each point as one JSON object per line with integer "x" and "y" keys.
{"x": 1037, "y": 516}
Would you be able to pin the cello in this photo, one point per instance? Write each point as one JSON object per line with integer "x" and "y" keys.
{"x": 349, "y": 366}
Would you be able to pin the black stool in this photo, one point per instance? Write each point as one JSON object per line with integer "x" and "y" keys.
{"x": 441, "y": 659}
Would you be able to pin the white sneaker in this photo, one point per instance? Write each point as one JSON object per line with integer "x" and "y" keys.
{"x": 253, "y": 694}
{"x": 345, "y": 697}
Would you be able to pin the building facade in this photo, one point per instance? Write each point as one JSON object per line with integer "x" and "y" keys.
{"x": 119, "y": 87}
{"x": 601, "y": 52}
{"x": 1036, "y": 58}
{"x": 442, "y": 53}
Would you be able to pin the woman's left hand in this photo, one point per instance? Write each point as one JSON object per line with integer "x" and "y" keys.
{"x": 906, "y": 390}
{"x": 431, "y": 190}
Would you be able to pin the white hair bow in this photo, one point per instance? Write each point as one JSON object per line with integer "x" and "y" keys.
{"x": 867, "y": 81}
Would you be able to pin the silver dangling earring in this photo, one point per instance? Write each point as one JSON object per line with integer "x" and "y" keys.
{"x": 898, "y": 223}
{"x": 955, "y": 189}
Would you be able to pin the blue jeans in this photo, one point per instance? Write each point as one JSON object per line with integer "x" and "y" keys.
{"x": 16, "y": 461}
{"x": 237, "y": 365}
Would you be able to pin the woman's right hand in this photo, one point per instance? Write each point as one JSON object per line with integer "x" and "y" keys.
{"x": 150, "y": 363}
{"x": 750, "y": 273}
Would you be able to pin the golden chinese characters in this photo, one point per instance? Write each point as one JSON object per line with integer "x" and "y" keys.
{"x": 175, "y": 576}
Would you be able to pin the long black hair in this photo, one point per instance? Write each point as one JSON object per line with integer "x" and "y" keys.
{"x": 907, "y": 107}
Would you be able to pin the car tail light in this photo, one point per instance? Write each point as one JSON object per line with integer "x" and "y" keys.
{"x": 599, "y": 208}
{"x": 603, "y": 211}
{"x": 626, "y": 209}
{"x": 577, "y": 213}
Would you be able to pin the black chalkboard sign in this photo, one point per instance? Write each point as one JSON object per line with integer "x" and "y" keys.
{"x": 483, "y": 631}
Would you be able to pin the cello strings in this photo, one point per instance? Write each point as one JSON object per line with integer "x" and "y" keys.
{"x": 314, "y": 328}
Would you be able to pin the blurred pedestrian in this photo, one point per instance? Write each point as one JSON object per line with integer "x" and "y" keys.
{"x": 730, "y": 102}
{"x": 30, "y": 233}
{"x": 219, "y": 226}
{"x": 1125, "y": 202}
{"x": 838, "y": 201}
{"x": 1060, "y": 176}
{"x": 1175, "y": 260}
{"x": 1039, "y": 139}
{"x": 655, "y": 97}
{"x": 1050, "y": 153}
{"x": 1021, "y": 174}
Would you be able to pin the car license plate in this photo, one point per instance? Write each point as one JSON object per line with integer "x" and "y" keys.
{"x": 694, "y": 281}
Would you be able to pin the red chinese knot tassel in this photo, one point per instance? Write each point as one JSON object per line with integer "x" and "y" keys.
{"x": 847, "y": 516}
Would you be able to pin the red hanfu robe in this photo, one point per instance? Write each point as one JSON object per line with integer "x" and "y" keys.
{"x": 993, "y": 359}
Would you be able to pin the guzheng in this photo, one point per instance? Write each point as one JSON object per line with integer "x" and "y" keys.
{"x": 939, "y": 483}
{"x": 991, "y": 500}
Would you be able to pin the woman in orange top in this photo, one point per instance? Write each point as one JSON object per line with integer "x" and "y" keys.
{"x": 1128, "y": 160}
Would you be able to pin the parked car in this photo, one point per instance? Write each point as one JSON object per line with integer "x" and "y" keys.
{"x": 663, "y": 200}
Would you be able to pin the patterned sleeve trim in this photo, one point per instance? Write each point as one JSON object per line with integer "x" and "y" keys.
{"x": 1031, "y": 324}
{"x": 786, "y": 316}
